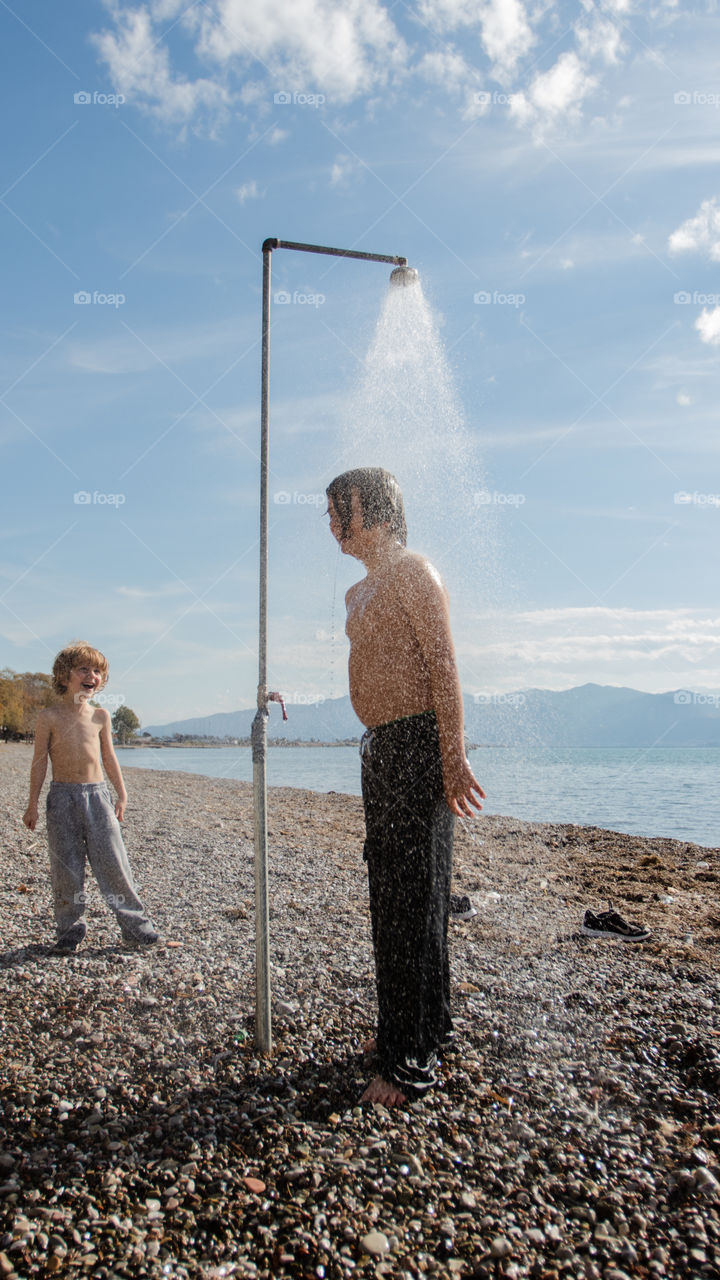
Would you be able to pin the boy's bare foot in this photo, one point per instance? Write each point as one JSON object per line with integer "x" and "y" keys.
{"x": 380, "y": 1090}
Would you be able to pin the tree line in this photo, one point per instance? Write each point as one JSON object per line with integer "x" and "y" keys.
{"x": 24, "y": 694}
{"x": 22, "y": 697}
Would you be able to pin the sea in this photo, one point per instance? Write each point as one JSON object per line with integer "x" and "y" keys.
{"x": 653, "y": 791}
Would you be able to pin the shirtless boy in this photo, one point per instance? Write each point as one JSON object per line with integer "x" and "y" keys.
{"x": 405, "y": 689}
{"x": 80, "y": 816}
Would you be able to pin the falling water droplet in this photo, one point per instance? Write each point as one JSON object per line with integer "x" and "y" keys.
{"x": 405, "y": 415}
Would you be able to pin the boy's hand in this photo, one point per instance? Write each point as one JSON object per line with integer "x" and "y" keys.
{"x": 462, "y": 789}
{"x": 30, "y": 816}
{"x": 120, "y": 808}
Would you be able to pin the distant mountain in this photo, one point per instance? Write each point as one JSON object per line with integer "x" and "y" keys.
{"x": 590, "y": 715}
{"x": 594, "y": 715}
{"x": 327, "y": 721}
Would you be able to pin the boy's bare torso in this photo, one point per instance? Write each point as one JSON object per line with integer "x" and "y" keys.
{"x": 389, "y": 677}
{"x": 74, "y": 744}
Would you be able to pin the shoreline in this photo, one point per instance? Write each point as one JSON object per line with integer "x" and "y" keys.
{"x": 584, "y": 860}
{"x": 575, "y": 1131}
{"x": 159, "y": 745}
{"x": 658, "y": 806}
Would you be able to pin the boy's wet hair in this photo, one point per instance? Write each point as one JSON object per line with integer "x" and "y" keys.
{"x": 77, "y": 654}
{"x": 381, "y": 501}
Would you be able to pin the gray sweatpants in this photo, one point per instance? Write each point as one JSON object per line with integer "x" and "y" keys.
{"x": 81, "y": 823}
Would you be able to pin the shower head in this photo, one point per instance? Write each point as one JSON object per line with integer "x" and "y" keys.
{"x": 404, "y": 276}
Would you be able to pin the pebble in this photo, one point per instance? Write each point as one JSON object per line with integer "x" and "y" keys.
{"x": 576, "y": 1127}
{"x": 707, "y": 1183}
{"x": 500, "y": 1247}
{"x": 254, "y": 1184}
{"x": 376, "y": 1243}
{"x": 536, "y": 1236}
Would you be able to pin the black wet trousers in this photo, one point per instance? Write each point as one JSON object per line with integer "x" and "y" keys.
{"x": 408, "y": 848}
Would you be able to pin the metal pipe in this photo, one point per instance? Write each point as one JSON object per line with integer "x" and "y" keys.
{"x": 263, "y": 1023}
{"x": 271, "y": 244}
{"x": 258, "y": 737}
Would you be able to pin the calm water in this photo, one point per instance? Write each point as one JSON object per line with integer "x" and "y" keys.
{"x": 654, "y": 792}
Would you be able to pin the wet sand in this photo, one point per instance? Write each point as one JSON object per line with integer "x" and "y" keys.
{"x": 576, "y": 1130}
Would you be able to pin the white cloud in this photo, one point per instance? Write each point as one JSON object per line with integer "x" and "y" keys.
{"x": 554, "y": 93}
{"x": 506, "y": 34}
{"x": 140, "y": 68}
{"x": 592, "y": 615}
{"x": 342, "y": 171}
{"x": 448, "y": 15}
{"x": 165, "y": 10}
{"x": 505, "y": 31}
{"x": 354, "y": 49}
{"x": 683, "y": 398}
{"x": 344, "y": 50}
{"x": 653, "y": 649}
{"x": 701, "y": 233}
{"x": 599, "y": 39}
{"x": 447, "y": 69}
{"x": 248, "y": 191}
{"x": 253, "y": 93}
{"x": 152, "y": 593}
{"x": 708, "y": 326}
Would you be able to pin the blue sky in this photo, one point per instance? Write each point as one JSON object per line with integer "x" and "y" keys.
{"x": 552, "y": 173}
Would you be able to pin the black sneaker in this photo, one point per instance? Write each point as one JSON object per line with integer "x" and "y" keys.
{"x": 69, "y": 941}
{"x": 461, "y": 908}
{"x": 139, "y": 941}
{"x": 608, "y": 924}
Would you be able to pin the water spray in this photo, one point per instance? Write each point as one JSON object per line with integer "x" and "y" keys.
{"x": 402, "y": 275}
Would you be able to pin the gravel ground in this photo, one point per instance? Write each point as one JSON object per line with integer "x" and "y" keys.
{"x": 576, "y": 1132}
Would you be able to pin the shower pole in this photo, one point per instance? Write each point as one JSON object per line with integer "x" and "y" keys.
{"x": 263, "y": 1029}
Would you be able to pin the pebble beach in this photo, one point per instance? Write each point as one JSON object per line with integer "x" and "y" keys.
{"x": 576, "y": 1130}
